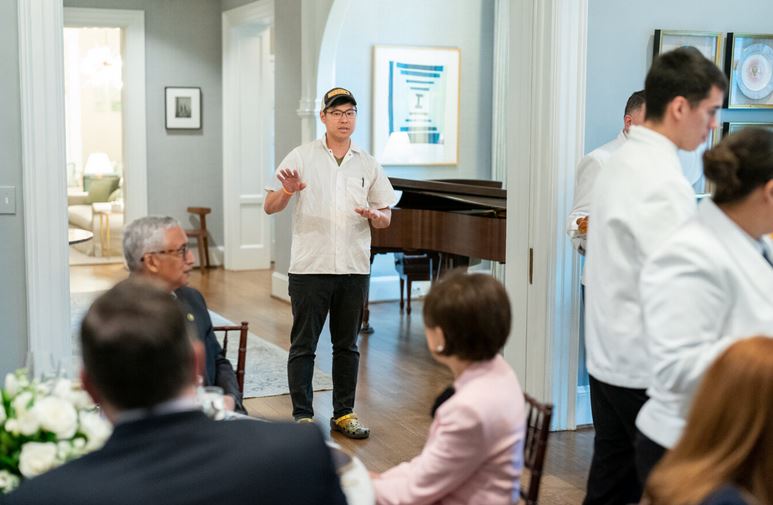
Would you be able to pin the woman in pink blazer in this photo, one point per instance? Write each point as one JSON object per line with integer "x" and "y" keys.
{"x": 475, "y": 445}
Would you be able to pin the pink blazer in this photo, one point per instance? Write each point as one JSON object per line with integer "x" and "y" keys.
{"x": 474, "y": 450}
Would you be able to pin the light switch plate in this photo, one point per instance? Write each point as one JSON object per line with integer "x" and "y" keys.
{"x": 7, "y": 199}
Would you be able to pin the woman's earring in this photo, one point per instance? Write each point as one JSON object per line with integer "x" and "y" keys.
{"x": 440, "y": 348}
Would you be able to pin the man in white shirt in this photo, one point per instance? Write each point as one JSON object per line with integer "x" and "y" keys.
{"x": 590, "y": 166}
{"x": 341, "y": 192}
{"x": 639, "y": 199}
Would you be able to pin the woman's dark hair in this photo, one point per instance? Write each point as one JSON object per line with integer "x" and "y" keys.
{"x": 740, "y": 163}
{"x": 473, "y": 310}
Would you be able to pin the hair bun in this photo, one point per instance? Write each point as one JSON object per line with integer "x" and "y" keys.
{"x": 721, "y": 165}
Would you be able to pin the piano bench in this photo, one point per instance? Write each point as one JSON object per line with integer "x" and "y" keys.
{"x": 412, "y": 267}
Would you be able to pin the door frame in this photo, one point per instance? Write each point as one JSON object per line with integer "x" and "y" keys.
{"x": 238, "y": 256}
{"x": 41, "y": 83}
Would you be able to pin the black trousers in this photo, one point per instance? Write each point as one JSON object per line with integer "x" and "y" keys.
{"x": 612, "y": 479}
{"x": 313, "y": 297}
{"x": 648, "y": 453}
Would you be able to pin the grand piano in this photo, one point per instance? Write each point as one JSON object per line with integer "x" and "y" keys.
{"x": 452, "y": 220}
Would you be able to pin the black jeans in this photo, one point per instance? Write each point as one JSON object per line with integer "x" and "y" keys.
{"x": 648, "y": 453}
{"x": 313, "y": 296}
{"x": 612, "y": 479}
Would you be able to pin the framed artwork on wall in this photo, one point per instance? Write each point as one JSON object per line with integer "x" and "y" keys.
{"x": 749, "y": 69}
{"x": 708, "y": 43}
{"x": 183, "y": 108}
{"x": 416, "y": 105}
{"x": 734, "y": 127}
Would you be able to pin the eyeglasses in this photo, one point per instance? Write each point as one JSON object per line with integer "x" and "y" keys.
{"x": 338, "y": 114}
{"x": 181, "y": 252}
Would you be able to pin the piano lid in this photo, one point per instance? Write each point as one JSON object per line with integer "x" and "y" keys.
{"x": 451, "y": 196}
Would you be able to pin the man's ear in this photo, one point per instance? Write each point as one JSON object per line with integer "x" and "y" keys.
{"x": 678, "y": 107}
{"x": 767, "y": 191}
{"x": 151, "y": 263}
{"x": 627, "y": 122}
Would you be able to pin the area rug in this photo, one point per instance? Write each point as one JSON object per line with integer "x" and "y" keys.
{"x": 266, "y": 369}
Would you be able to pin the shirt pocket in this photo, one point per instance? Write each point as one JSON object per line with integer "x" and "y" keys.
{"x": 356, "y": 192}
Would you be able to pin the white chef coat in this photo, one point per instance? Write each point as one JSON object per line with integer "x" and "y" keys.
{"x": 329, "y": 237}
{"x": 587, "y": 171}
{"x": 639, "y": 199}
{"x": 705, "y": 288}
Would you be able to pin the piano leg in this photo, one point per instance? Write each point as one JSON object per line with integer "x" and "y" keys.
{"x": 402, "y": 302}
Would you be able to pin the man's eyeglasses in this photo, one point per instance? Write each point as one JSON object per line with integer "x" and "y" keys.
{"x": 181, "y": 252}
{"x": 338, "y": 114}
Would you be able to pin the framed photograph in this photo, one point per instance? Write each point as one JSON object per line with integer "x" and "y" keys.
{"x": 749, "y": 69}
{"x": 708, "y": 43}
{"x": 734, "y": 127}
{"x": 183, "y": 108}
{"x": 416, "y": 105}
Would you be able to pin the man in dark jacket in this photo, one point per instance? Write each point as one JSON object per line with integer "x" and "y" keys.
{"x": 157, "y": 248}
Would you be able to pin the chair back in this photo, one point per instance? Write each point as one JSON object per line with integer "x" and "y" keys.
{"x": 535, "y": 446}
{"x": 241, "y": 359}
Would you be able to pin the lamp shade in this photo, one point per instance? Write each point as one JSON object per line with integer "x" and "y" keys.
{"x": 98, "y": 164}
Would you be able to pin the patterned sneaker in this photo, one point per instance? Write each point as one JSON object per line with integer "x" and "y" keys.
{"x": 304, "y": 420}
{"x": 350, "y": 426}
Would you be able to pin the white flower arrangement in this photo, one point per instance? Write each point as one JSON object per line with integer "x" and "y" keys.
{"x": 44, "y": 424}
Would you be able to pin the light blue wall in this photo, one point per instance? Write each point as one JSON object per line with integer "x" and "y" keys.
{"x": 465, "y": 24}
{"x": 620, "y": 51}
{"x": 13, "y": 285}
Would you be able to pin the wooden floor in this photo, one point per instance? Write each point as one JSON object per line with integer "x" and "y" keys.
{"x": 398, "y": 379}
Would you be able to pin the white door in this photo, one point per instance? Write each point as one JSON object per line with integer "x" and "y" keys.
{"x": 248, "y": 134}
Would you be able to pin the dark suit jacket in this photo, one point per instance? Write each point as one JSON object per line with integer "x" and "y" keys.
{"x": 219, "y": 371}
{"x": 187, "y": 459}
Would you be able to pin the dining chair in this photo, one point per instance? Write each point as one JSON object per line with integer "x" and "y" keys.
{"x": 535, "y": 446}
{"x": 201, "y": 235}
{"x": 242, "y": 352}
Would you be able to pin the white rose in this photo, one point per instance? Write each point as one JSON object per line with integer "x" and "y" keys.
{"x": 36, "y": 458}
{"x": 96, "y": 429}
{"x": 12, "y": 426}
{"x": 11, "y": 384}
{"x": 28, "y": 423}
{"x": 57, "y": 416}
{"x": 62, "y": 388}
{"x": 8, "y": 481}
{"x": 21, "y": 404}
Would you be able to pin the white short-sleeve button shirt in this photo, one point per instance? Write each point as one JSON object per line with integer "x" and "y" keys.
{"x": 329, "y": 237}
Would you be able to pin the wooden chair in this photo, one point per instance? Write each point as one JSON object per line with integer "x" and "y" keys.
{"x": 242, "y": 354}
{"x": 412, "y": 267}
{"x": 200, "y": 234}
{"x": 535, "y": 446}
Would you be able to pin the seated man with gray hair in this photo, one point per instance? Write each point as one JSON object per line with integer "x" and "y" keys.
{"x": 156, "y": 247}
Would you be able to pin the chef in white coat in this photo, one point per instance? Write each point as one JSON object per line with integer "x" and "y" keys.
{"x": 709, "y": 285}
{"x": 590, "y": 166}
{"x": 639, "y": 199}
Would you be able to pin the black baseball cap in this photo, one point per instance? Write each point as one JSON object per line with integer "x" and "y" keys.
{"x": 337, "y": 96}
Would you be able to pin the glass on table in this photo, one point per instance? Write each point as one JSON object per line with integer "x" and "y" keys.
{"x": 211, "y": 400}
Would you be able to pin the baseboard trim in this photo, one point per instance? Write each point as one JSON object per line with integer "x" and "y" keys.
{"x": 583, "y": 413}
{"x": 279, "y": 286}
{"x": 387, "y": 289}
{"x": 216, "y": 255}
